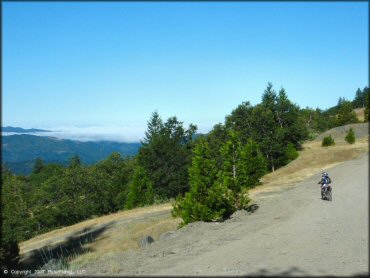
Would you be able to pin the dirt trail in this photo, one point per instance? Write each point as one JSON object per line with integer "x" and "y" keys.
{"x": 293, "y": 232}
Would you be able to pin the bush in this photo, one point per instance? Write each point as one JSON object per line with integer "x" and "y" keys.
{"x": 290, "y": 153}
{"x": 328, "y": 141}
{"x": 312, "y": 136}
{"x": 216, "y": 204}
{"x": 350, "y": 137}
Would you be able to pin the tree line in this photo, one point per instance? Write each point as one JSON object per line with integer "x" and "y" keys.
{"x": 208, "y": 175}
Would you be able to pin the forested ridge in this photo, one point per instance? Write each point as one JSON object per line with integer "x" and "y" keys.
{"x": 208, "y": 175}
{"x": 20, "y": 151}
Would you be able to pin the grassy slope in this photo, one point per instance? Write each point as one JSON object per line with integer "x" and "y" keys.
{"x": 360, "y": 113}
{"x": 131, "y": 226}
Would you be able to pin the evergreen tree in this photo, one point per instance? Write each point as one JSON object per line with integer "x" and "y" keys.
{"x": 243, "y": 165}
{"x": 231, "y": 155}
{"x": 346, "y": 115}
{"x": 155, "y": 126}
{"x": 341, "y": 100}
{"x": 74, "y": 161}
{"x": 274, "y": 124}
{"x": 39, "y": 165}
{"x": 253, "y": 165}
{"x": 350, "y": 136}
{"x": 268, "y": 134}
{"x": 328, "y": 141}
{"x": 207, "y": 200}
{"x": 13, "y": 217}
{"x": 240, "y": 120}
{"x": 269, "y": 98}
{"x": 14, "y": 208}
{"x": 290, "y": 153}
{"x": 140, "y": 190}
{"x": 360, "y": 98}
{"x": 215, "y": 138}
{"x": 119, "y": 172}
{"x": 166, "y": 158}
{"x": 367, "y": 107}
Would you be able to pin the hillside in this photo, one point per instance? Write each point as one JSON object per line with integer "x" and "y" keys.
{"x": 20, "y": 151}
{"x": 360, "y": 114}
{"x": 22, "y": 130}
{"x": 109, "y": 237}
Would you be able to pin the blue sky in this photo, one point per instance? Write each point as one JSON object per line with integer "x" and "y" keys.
{"x": 105, "y": 67}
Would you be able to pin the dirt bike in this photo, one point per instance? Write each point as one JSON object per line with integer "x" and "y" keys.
{"x": 326, "y": 192}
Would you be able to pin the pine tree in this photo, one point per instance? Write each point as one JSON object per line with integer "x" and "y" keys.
{"x": 350, "y": 136}
{"x": 39, "y": 165}
{"x": 253, "y": 165}
{"x": 155, "y": 126}
{"x": 167, "y": 156}
{"x": 231, "y": 155}
{"x": 140, "y": 190}
{"x": 74, "y": 161}
{"x": 243, "y": 165}
{"x": 269, "y": 98}
{"x": 346, "y": 115}
{"x": 207, "y": 199}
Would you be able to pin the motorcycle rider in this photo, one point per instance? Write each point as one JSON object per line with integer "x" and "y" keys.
{"x": 325, "y": 180}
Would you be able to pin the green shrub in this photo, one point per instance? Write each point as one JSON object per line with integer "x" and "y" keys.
{"x": 328, "y": 141}
{"x": 312, "y": 136}
{"x": 350, "y": 137}
{"x": 290, "y": 153}
{"x": 140, "y": 190}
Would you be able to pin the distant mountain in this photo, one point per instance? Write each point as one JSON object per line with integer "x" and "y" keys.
{"x": 20, "y": 151}
{"x": 21, "y": 130}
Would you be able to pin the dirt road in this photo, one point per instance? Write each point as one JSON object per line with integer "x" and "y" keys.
{"x": 293, "y": 232}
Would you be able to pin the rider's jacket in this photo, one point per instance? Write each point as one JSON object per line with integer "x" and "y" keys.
{"x": 325, "y": 180}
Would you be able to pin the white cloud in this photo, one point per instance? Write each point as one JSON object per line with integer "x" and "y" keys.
{"x": 127, "y": 134}
{"x": 98, "y": 133}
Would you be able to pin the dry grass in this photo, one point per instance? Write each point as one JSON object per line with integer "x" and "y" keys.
{"x": 360, "y": 114}
{"x": 312, "y": 160}
{"x": 58, "y": 235}
{"x": 114, "y": 240}
{"x": 121, "y": 240}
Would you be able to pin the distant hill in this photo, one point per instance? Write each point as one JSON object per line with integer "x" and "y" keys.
{"x": 22, "y": 130}
{"x": 20, "y": 151}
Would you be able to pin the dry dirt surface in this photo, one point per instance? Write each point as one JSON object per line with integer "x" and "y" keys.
{"x": 293, "y": 232}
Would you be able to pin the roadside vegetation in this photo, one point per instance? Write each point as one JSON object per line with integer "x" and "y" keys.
{"x": 350, "y": 136}
{"x": 208, "y": 175}
{"x": 328, "y": 141}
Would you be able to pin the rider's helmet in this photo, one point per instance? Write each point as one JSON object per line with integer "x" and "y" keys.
{"x": 324, "y": 174}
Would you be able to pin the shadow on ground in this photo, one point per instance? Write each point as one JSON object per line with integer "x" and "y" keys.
{"x": 294, "y": 272}
{"x": 54, "y": 256}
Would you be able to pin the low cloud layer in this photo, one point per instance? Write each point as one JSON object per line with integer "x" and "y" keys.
{"x": 127, "y": 134}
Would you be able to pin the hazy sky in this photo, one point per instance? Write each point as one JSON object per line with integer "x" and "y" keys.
{"x": 105, "y": 67}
